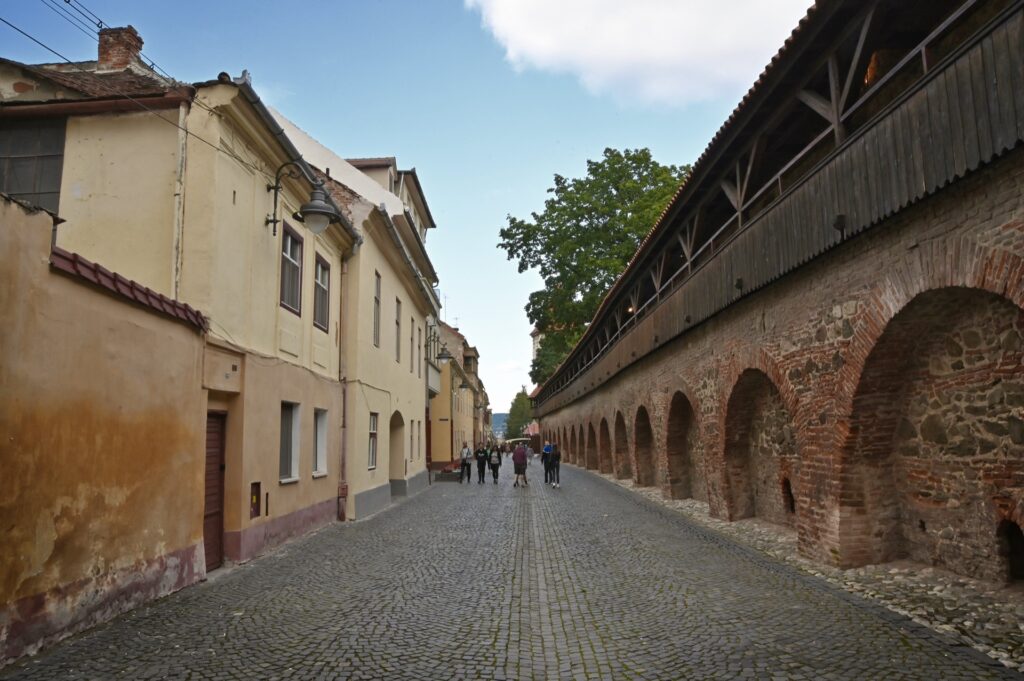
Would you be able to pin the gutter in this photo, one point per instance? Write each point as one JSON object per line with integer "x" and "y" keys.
{"x": 420, "y": 279}
{"x": 245, "y": 87}
{"x": 93, "y": 106}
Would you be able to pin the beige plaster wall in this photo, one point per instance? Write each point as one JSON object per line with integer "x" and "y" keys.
{"x": 376, "y": 381}
{"x": 117, "y": 194}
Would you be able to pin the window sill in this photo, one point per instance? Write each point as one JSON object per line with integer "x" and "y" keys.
{"x": 372, "y": 468}
{"x": 288, "y": 481}
{"x": 319, "y": 474}
{"x": 321, "y": 328}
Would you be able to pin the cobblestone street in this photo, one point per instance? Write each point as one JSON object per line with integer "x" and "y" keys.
{"x": 590, "y": 581}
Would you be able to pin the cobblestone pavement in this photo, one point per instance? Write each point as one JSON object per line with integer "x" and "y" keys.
{"x": 989, "y": 617}
{"x": 590, "y": 581}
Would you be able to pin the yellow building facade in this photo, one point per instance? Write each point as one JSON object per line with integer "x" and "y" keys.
{"x": 177, "y": 197}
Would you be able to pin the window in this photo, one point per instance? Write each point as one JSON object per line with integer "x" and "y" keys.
{"x": 291, "y": 270}
{"x": 412, "y": 355}
{"x": 373, "y": 442}
{"x": 289, "y": 469}
{"x": 376, "y": 309}
{"x": 419, "y": 352}
{"x": 321, "y": 294}
{"x": 319, "y": 442}
{"x": 31, "y": 161}
{"x": 398, "y": 330}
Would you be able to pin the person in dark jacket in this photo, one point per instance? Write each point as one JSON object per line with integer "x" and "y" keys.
{"x": 494, "y": 461}
{"x": 555, "y": 463}
{"x": 519, "y": 463}
{"x": 481, "y": 462}
{"x": 545, "y": 459}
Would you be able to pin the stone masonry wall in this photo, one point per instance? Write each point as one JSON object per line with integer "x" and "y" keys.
{"x": 875, "y": 429}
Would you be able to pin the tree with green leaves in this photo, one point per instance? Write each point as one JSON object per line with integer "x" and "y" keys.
{"x": 519, "y": 415}
{"x": 584, "y": 238}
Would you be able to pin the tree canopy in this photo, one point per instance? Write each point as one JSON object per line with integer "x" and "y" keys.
{"x": 588, "y": 231}
{"x": 519, "y": 415}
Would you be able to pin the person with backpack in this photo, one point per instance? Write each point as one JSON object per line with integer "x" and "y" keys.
{"x": 519, "y": 464}
{"x": 481, "y": 462}
{"x": 495, "y": 461}
{"x": 466, "y": 459}
{"x": 554, "y": 464}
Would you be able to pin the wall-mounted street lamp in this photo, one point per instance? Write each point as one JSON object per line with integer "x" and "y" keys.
{"x": 316, "y": 213}
{"x": 465, "y": 385}
{"x": 444, "y": 356}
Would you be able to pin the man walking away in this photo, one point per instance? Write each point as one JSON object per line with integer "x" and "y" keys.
{"x": 555, "y": 463}
{"x": 519, "y": 464}
{"x": 545, "y": 459}
{"x": 466, "y": 457}
{"x": 495, "y": 461}
{"x": 481, "y": 462}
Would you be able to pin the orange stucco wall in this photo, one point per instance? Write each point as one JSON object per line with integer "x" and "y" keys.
{"x": 102, "y": 413}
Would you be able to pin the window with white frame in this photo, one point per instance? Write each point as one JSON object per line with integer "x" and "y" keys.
{"x": 319, "y": 442}
{"x": 372, "y": 460}
{"x": 289, "y": 458}
{"x": 419, "y": 352}
{"x": 412, "y": 355}
{"x": 321, "y": 294}
{"x": 291, "y": 270}
{"x": 376, "y": 309}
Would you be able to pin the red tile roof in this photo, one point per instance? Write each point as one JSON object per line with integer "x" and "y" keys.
{"x": 77, "y": 266}
{"x": 82, "y": 77}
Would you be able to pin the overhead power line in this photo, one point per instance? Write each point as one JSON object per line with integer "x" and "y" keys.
{"x": 110, "y": 90}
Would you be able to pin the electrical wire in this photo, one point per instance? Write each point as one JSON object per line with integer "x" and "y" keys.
{"x": 87, "y": 13}
{"x": 75, "y": 22}
{"x": 110, "y": 90}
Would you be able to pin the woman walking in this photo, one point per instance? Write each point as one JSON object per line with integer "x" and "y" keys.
{"x": 554, "y": 463}
{"x": 495, "y": 461}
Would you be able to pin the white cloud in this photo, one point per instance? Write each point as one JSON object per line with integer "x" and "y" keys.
{"x": 660, "y": 51}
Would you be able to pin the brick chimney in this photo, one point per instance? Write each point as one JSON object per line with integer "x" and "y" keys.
{"x": 119, "y": 47}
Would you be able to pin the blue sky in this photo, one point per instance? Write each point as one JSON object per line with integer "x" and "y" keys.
{"x": 486, "y": 101}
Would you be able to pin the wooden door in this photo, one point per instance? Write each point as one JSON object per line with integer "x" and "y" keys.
{"x": 213, "y": 506}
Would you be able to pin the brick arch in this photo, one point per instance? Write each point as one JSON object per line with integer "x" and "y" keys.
{"x": 621, "y": 463}
{"x": 643, "y": 448}
{"x": 761, "y": 451}
{"x": 572, "y": 444}
{"x": 591, "y": 450}
{"x": 973, "y": 266}
{"x": 682, "y": 446}
{"x": 930, "y": 466}
{"x": 604, "y": 448}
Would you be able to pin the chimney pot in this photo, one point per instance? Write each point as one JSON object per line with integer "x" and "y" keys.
{"x": 119, "y": 47}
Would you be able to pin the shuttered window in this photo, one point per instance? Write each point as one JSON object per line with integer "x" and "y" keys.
{"x": 291, "y": 270}
{"x": 321, "y": 293}
{"x": 31, "y": 160}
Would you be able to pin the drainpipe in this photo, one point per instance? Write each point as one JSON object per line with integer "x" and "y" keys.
{"x": 179, "y": 197}
{"x": 343, "y": 378}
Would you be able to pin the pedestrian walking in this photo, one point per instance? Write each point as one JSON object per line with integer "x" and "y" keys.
{"x": 519, "y": 464}
{"x": 555, "y": 463}
{"x": 481, "y": 462}
{"x": 466, "y": 459}
{"x": 495, "y": 461}
{"x": 545, "y": 459}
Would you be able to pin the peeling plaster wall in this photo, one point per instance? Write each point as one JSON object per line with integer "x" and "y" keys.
{"x": 102, "y": 415}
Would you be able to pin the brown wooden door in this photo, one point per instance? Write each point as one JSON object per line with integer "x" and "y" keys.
{"x": 213, "y": 506}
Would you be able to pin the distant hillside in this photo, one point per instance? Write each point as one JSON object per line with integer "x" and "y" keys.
{"x": 498, "y": 424}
